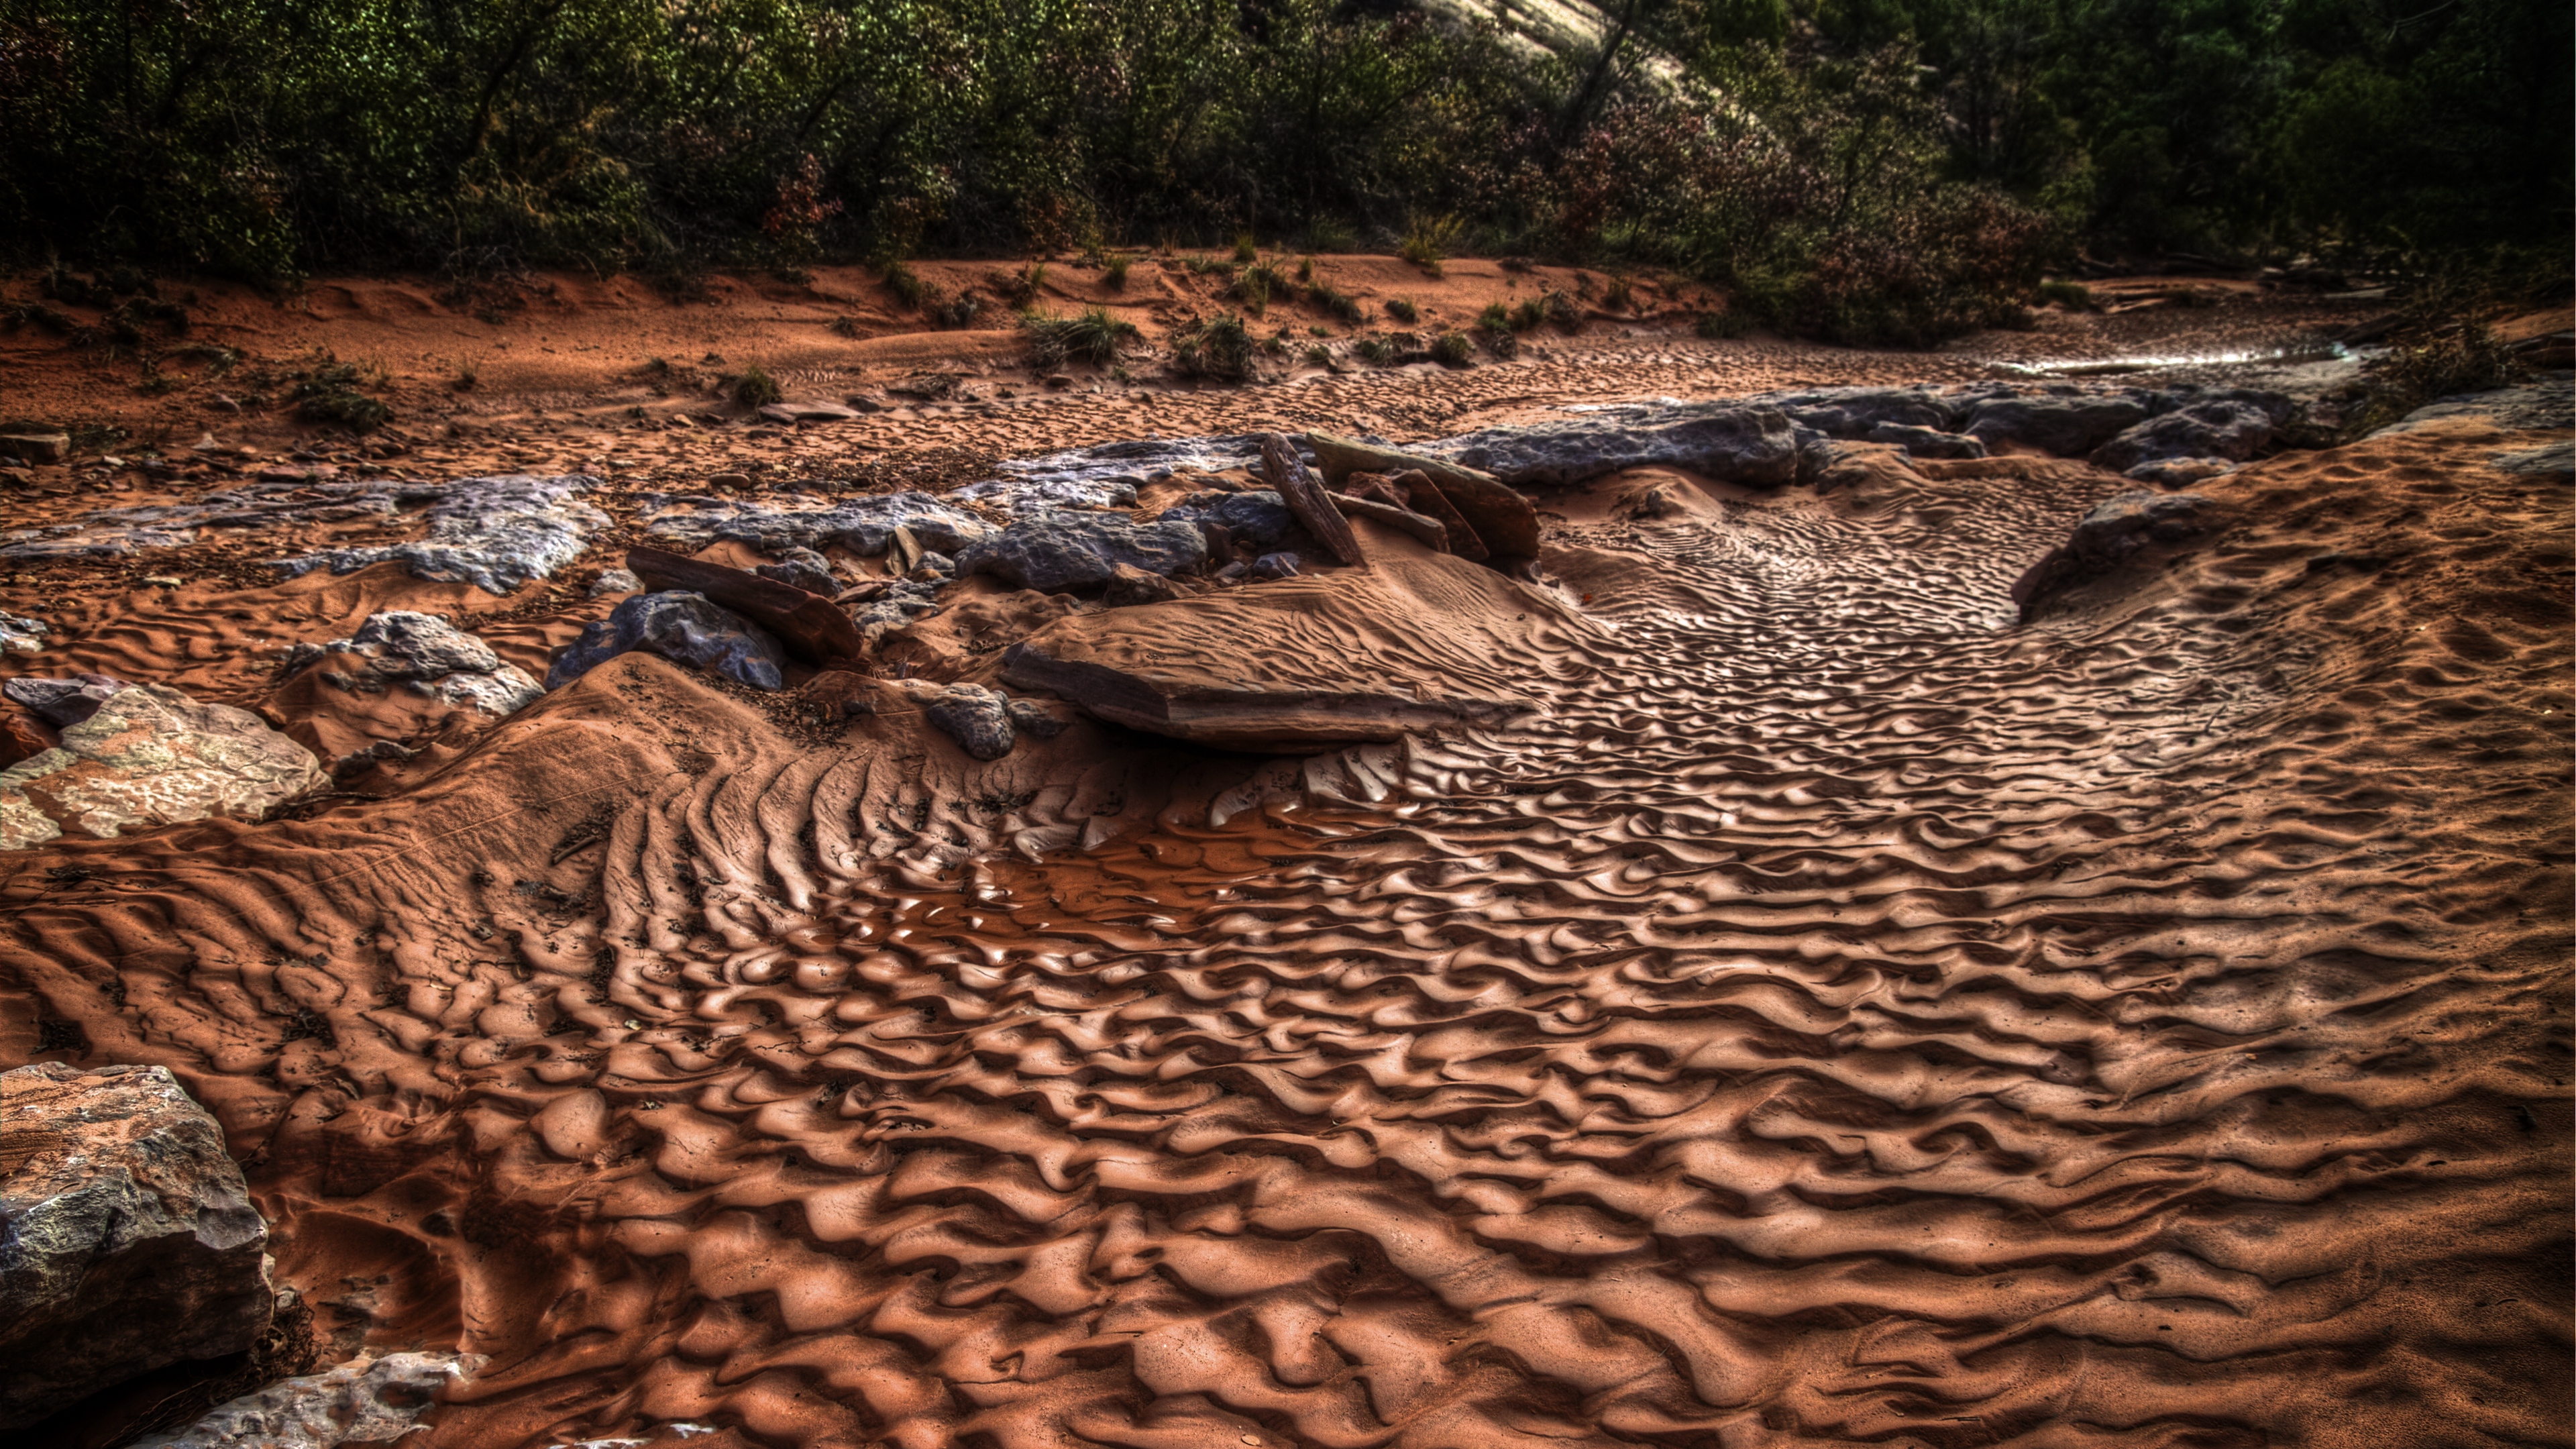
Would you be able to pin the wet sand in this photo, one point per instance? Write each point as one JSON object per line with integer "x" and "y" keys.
{"x": 1837, "y": 1012}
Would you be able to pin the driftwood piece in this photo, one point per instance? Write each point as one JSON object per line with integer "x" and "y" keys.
{"x": 1307, "y": 499}
{"x": 1425, "y": 497}
{"x": 1430, "y": 530}
{"x": 811, "y": 626}
{"x": 1505, "y": 520}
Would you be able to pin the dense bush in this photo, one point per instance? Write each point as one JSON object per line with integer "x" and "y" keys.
{"x": 1862, "y": 168}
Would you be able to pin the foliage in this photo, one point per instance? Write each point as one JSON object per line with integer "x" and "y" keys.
{"x": 1403, "y": 310}
{"x": 1093, "y": 336}
{"x": 1865, "y": 169}
{"x": 1220, "y": 348}
{"x": 1113, "y": 272}
{"x": 1453, "y": 349}
{"x": 755, "y": 388}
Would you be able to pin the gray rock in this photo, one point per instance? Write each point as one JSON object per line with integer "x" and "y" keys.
{"x": 367, "y": 1400}
{"x": 1129, "y": 586}
{"x": 1039, "y": 721}
{"x": 114, "y": 532}
{"x": 149, "y": 755}
{"x": 615, "y": 581}
{"x": 428, "y": 656}
{"x": 61, "y": 702}
{"x": 684, "y": 628}
{"x": 1926, "y": 442}
{"x": 935, "y": 562}
{"x": 1756, "y": 446}
{"x": 1257, "y": 516}
{"x": 803, "y": 568}
{"x": 1106, "y": 476}
{"x": 1853, "y": 412}
{"x": 2532, "y": 407}
{"x": 864, "y": 526}
{"x": 127, "y": 1237}
{"x": 21, "y": 635}
{"x": 978, "y": 719}
{"x": 2117, "y": 531}
{"x": 2219, "y": 428}
{"x": 494, "y": 533}
{"x": 1276, "y": 566}
{"x": 2555, "y": 458}
{"x": 902, "y": 602}
{"x": 1061, "y": 550}
{"x": 2181, "y": 472}
{"x": 2069, "y": 426}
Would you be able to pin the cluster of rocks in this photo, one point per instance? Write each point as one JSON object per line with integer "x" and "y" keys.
{"x": 132, "y": 756}
{"x": 2170, "y": 437}
{"x": 424, "y": 655}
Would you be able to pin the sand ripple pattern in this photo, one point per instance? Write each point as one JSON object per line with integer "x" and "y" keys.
{"x": 1847, "y": 1016}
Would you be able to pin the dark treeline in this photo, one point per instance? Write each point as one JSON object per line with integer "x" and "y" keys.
{"x": 1893, "y": 167}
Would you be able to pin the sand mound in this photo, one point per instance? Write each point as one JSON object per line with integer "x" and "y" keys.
{"x": 1836, "y": 1011}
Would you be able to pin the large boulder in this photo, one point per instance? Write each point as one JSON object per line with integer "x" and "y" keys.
{"x": 1063, "y": 549}
{"x": 147, "y": 755}
{"x": 2118, "y": 532}
{"x": 1854, "y": 413}
{"x": 127, "y": 1237}
{"x": 2227, "y": 428}
{"x": 423, "y": 655}
{"x": 1755, "y": 446}
{"x": 2069, "y": 426}
{"x": 684, "y": 628}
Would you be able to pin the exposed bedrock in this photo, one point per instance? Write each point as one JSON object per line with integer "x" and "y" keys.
{"x": 682, "y": 627}
{"x": 147, "y": 755}
{"x": 2118, "y": 532}
{"x": 127, "y": 1237}
{"x": 367, "y": 1400}
{"x": 2066, "y": 426}
{"x": 1065, "y": 549}
{"x": 1755, "y": 446}
{"x": 424, "y": 655}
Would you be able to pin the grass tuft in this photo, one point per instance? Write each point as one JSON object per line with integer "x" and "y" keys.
{"x": 1092, "y": 335}
{"x": 1454, "y": 349}
{"x": 1220, "y": 347}
{"x": 755, "y": 388}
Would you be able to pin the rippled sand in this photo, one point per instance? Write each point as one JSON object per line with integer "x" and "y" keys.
{"x": 1842, "y": 1014}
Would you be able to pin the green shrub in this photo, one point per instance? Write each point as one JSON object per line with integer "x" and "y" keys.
{"x": 1341, "y": 304}
{"x": 1318, "y": 355}
{"x": 907, "y": 286}
{"x": 1403, "y": 310}
{"x": 1454, "y": 349}
{"x": 1244, "y": 248}
{"x": 1092, "y": 335}
{"x": 1376, "y": 350}
{"x": 1256, "y": 284}
{"x": 1220, "y": 347}
{"x": 1428, "y": 240}
{"x": 1497, "y": 317}
{"x": 755, "y": 388}
{"x": 2074, "y": 296}
{"x": 1618, "y": 295}
{"x": 1113, "y": 273}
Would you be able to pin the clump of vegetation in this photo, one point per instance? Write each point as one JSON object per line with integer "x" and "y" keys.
{"x": 1403, "y": 310}
{"x": 1245, "y": 250}
{"x": 1497, "y": 317}
{"x": 959, "y": 312}
{"x": 328, "y": 394}
{"x": 468, "y": 376}
{"x": 2073, "y": 296}
{"x": 1341, "y": 304}
{"x": 1202, "y": 265}
{"x": 1502, "y": 342}
{"x": 1376, "y": 350}
{"x": 1113, "y": 272}
{"x": 1220, "y": 347}
{"x": 1018, "y": 289}
{"x": 1560, "y": 309}
{"x": 1453, "y": 349}
{"x": 1318, "y": 355}
{"x": 1618, "y": 295}
{"x": 1092, "y": 335}
{"x": 1428, "y": 241}
{"x": 755, "y": 388}
{"x": 1256, "y": 284}
{"x": 1305, "y": 270}
{"x": 907, "y": 286}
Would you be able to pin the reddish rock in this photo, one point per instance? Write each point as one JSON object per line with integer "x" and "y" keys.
{"x": 127, "y": 1238}
{"x": 810, "y": 626}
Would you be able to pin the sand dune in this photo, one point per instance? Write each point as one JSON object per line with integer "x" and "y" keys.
{"x": 1831, "y": 1011}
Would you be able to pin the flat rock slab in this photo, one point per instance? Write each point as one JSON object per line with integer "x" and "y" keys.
{"x": 807, "y": 412}
{"x": 494, "y": 533}
{"x": 864, "y": 526}
{"x": 127, "y": 1237}
{"x": 1753, "y": 446}
{"x": 1504, "y": 524}
{"x": 367, "y": 1400}
{"x": 1069, "y": 549}
{"x": 809, "y": 624}
{"x": 35, "y": 447}
{"x": 1412, "y": 641}
{"x": 149, "y": 756}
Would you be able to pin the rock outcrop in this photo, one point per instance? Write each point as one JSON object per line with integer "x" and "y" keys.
{"x": 682, "y": 627}
{"x": 2068, "y": 426}
{"x": 1064, "y": 549}
{"x": 493, "y": 533}
{"x": 367, "y": 1400}
{"x": 1753, "y": 446}
{"x": 127, "y": 1237}
{"x": 2228, "y": 428}
{"x": 864, "y": 526}
{"x": 809, "y": 624}
{"x": 147, "y": 755}
{"x": 1503, "y": 523}
{"x": 2119, "y": 531}
{"x": 424, "y": 655}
